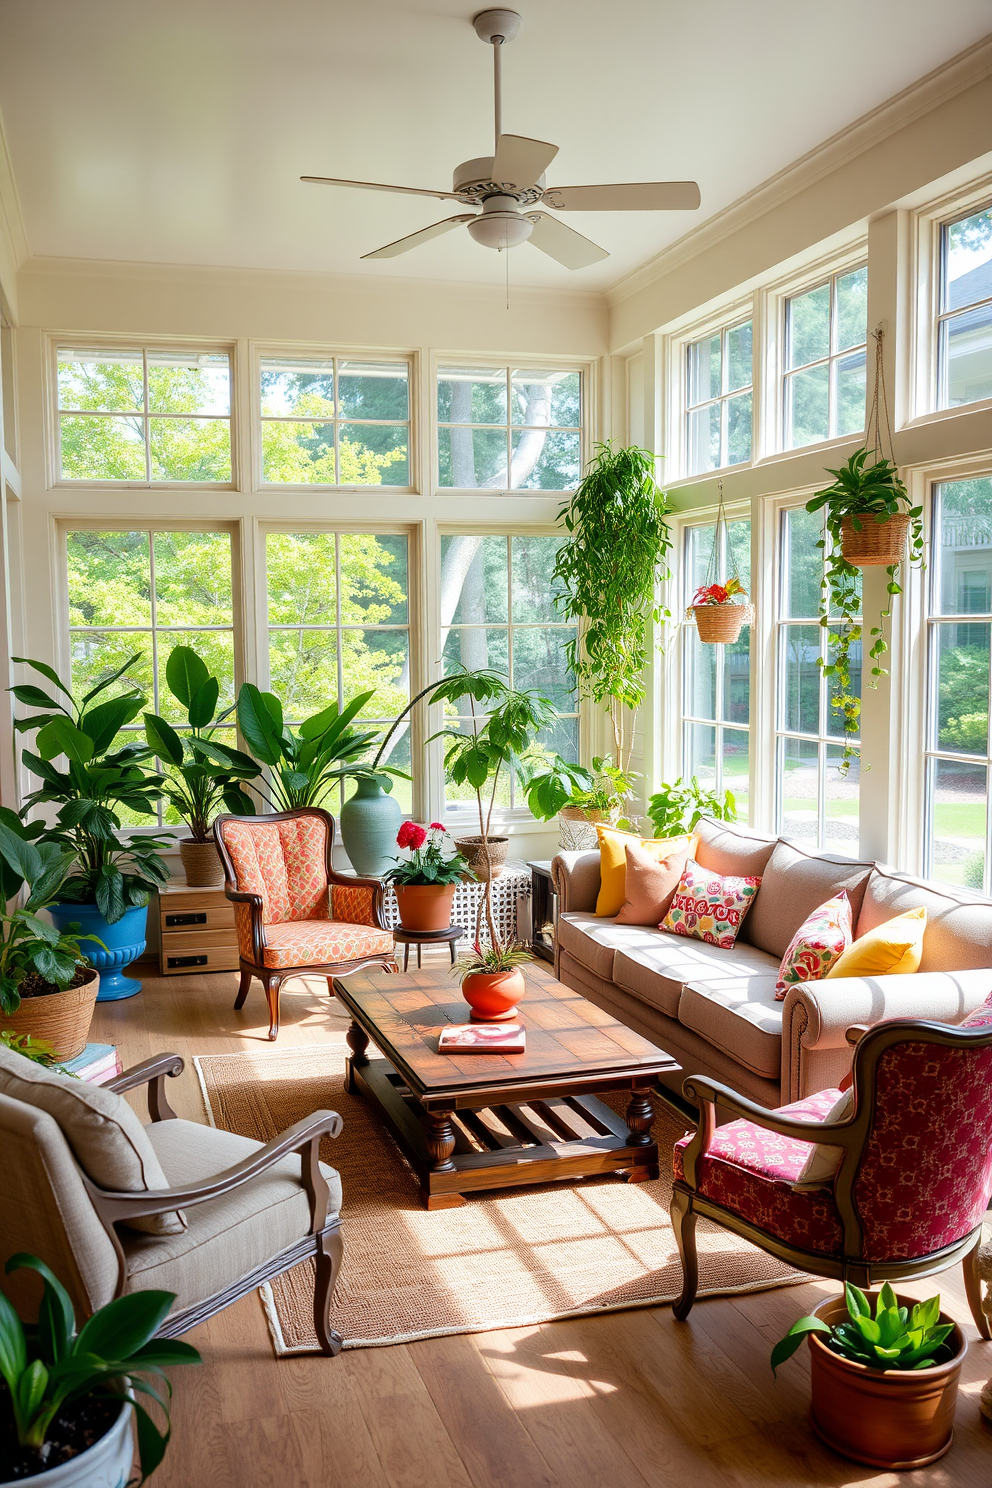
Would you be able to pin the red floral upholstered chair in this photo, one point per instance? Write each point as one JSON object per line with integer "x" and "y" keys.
{"x": 293, "y": 911}
{"x": 914, "y": 1153}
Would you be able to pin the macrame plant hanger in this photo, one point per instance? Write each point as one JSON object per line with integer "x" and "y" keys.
{"x": 879, "y": 408}
{"x": 721, "y": 623}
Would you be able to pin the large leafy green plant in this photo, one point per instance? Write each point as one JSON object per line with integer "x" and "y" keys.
{"x": 304, "y": 762}
{"x": 895, "y": 1338}
{"x": 101, "y": 779}
{"x": 676, "y": 808}
{"x": 560, "y": 784}
{"x": 29, "y": 945}
{"x": 54, "y": 1365}
{"x": 861, "y": 493}
{"x": 617, "y": 548}
{"x": 202, "y": 773}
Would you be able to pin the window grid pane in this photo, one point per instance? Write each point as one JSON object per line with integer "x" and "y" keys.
{"x": 509, "y": 428}
{"x": 718, "y": 400}
{"x": 964, "y": 323}
{"x": 823, "y": 390}
{"x": 335, "y": 421}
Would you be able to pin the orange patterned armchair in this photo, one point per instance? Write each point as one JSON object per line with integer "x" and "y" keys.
{"x": 293, "y": 911}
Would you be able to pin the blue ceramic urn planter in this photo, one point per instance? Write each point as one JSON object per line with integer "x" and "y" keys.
{"x": 124, "y": 939}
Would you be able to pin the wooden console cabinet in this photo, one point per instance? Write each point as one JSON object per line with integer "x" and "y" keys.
{"x": 196, "y": 930}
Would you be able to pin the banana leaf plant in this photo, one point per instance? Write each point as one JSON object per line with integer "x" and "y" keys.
{"x": 101, "y": 779}
{"x": 306, "y": 762}
{"x": 202, "y": 773}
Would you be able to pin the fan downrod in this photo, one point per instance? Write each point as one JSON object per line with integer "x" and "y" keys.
{"x": 490, "y": 24}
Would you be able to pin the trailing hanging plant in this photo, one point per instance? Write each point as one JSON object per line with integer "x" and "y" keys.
{"x": 617, "y": 549}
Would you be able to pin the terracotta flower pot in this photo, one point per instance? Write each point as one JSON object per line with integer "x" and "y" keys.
{"x": 473, "y": 850}
{"x": 425, "y": 906}
{"x": 201, "y": 863}
{"x": 493, "y": 996}
{"x": 877, "y": 544}
{"x": 888, "y": 1418}
{"x": 62, "y": 1019}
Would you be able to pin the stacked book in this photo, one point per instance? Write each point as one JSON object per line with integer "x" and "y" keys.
{"x": 97, "y": 1064}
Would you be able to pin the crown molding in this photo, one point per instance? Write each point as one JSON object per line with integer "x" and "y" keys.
{"x": 945, "y": 82}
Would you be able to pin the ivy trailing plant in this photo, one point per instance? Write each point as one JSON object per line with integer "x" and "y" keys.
{"x": 617, "y": 550}
{"x": 860, "y": 493}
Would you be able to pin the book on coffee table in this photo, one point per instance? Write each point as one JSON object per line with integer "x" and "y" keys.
{"x": 483, "y": 1038}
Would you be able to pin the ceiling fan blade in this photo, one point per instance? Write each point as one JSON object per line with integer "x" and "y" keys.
{"x": 403, "y": 245}
{"x": 378, "y": 186}
{"x": 644, "y": 196}
{"x": 520, "y": 162}
{"x": 558, "y": 241}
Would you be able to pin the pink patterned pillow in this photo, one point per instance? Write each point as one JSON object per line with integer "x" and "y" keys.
{"x": 818, "y": 943}
{"x": 981, "y": 1017}
{"x": 709, "y": 907}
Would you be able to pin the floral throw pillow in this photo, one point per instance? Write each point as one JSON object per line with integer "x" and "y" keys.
{"x": 710, "y": 907}
{"x": 817, "y": 945}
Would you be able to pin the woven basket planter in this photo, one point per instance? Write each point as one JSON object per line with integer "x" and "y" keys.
{"x": 577, "y": 826}
{"x": 201, "y": 864}
{"x": 62, "y": 1019}
{"x": 473, "y": 851}
{"x": 721, "y": 623}
{"x": 878, "y": 544}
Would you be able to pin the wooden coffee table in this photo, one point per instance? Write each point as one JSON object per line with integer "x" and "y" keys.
{"x": 475, "y": 1122}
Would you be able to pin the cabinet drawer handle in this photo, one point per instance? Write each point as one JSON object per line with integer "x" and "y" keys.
{"x": 186, "y": 961}
{"x": 186, "y": 919}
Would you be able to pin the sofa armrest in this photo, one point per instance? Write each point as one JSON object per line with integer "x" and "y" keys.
{"x": 816, "y": 1016}
{"x": 575, "y": 877}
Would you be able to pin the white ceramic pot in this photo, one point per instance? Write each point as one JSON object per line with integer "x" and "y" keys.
{"x": 107, "y": 1464}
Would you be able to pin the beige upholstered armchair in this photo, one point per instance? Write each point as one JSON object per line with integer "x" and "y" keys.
{"x": 114, "y": 1206}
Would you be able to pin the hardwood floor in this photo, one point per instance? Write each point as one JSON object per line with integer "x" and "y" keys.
{"x": 626, "y": 1400}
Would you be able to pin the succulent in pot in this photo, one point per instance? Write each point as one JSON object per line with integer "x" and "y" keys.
{"x": 492, "y": 982}
{"x": 425, "y": 882}
{"x": 201, "y": 773}
{"x": 884, "y": 1382}
{"x": 71, "y": 1394}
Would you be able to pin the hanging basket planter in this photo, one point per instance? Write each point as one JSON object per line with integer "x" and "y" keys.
{"x": 720, "y": 624}
{"x": 877, "y": 544}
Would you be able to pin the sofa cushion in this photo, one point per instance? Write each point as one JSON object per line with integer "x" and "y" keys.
{"x": 593, "y": 941}
{"x": 959, "y": 924}
{"x": 728, "y": 849}
{"x": 657, "y": 966}
{"x": 613, "y": 846}
{"x": 739, "y": 1016}
{"x": 710, "y": 906}
{"x": 793, "y": 884}
{"x": 893, "y": 948}
{"x": 651, "y": 884}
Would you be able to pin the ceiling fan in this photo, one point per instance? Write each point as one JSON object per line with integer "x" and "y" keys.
{"x": 510, "y": 183}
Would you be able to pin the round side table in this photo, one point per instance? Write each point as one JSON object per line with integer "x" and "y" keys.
{"x": 418, "y": 938}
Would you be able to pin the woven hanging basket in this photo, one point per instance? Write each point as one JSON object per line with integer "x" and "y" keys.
{"x": 62, "y": 1019}
{"x": 878, "y": 544}
{"x": 721, "y": 623}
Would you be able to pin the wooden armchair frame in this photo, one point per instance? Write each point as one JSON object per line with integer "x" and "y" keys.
{"x": 323, "y": 1240}
{"x": 272, "y": 977}
{"x": 851, "y": 1136}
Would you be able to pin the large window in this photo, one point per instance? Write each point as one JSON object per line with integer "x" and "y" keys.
{"x": 716, "y": 680}
{"x": 509, "y": 428}
{"x": 144, "y": 416}
{"x": 339, "y": 624}
{"x": 140, "y": 592}
{"x": 825, "y": 335}
{"x": 334, "y": 421}
{"x": 718, "y": 400}
{"x": 960, "y": 621}
{"x": 498, "y": 610}
{"x": 964, "y": 325}
{"x": 817, "y": 801}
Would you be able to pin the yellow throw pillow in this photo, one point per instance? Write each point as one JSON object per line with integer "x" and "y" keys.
{"x": 613, "y": 863}
{"x": 888, "y": 950}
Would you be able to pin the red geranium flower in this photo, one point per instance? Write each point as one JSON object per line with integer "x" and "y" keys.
{"x": 438, "y": 827}
{"x": 410, "y": 835}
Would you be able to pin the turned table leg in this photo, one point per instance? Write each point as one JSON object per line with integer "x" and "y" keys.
{"x": 358, "y": 1042}
{"x": 639, "y": 1117}
{"x": 439, "y": 1138}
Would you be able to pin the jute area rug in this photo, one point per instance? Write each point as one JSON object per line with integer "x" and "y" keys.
{"x": 526, "y": 1256}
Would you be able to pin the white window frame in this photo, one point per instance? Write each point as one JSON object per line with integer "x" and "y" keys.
{"x": 722, "y": 399}
{"x": 926, "y": 269}
{"x": 143, "y": 345}
{"x": 675, "y": 364}
{"x": 834, "y": 355}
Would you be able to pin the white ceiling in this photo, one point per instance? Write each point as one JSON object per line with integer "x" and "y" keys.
{"x": 175, "y": 133}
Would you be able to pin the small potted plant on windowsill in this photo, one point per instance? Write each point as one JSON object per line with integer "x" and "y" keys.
{"x": 582, "y": 799}
{"x": 884, "y": 1387}
{"x": 425, "y": 883}
{"x": 65, "y": 1418}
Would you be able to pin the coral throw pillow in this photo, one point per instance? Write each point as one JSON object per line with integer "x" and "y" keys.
{"x": 821, "y": 939}
{"x": 651, "y": 884}
{"x": 891, "y": 949}
{"x": 706, "y": 906}
{"x": 613, "y": 863}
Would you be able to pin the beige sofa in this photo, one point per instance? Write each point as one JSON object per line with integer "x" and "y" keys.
{"x": 715, "y": 1011}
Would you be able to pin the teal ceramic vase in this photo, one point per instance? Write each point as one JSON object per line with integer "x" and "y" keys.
{"x": 370, "y": 820}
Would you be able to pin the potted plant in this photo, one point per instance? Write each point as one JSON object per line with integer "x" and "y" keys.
{"x": 115, "y": 871}
{"x": 581, "y": 798}
{"x": 201, "y": 772}
{"x": 71, "y": 1392}
{"x": 867, "y": 515}
{"x": 425, "y": 883}
{"x": 884, "y": 1386}
{"x": 47, "y": 989}
{"x": 617, "y": 547}
{"x": 676, "y": 808}
{"x": 720, "y": 611}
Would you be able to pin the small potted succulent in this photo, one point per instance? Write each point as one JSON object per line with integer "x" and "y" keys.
{"x": 720, "y": 611}
{"x": 884, "y": 1384}
{"x": 65, "y": 1416}
{"x": 425, "y": 882}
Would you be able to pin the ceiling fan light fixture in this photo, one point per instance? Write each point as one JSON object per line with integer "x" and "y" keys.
{"x": 500, "y": 225}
